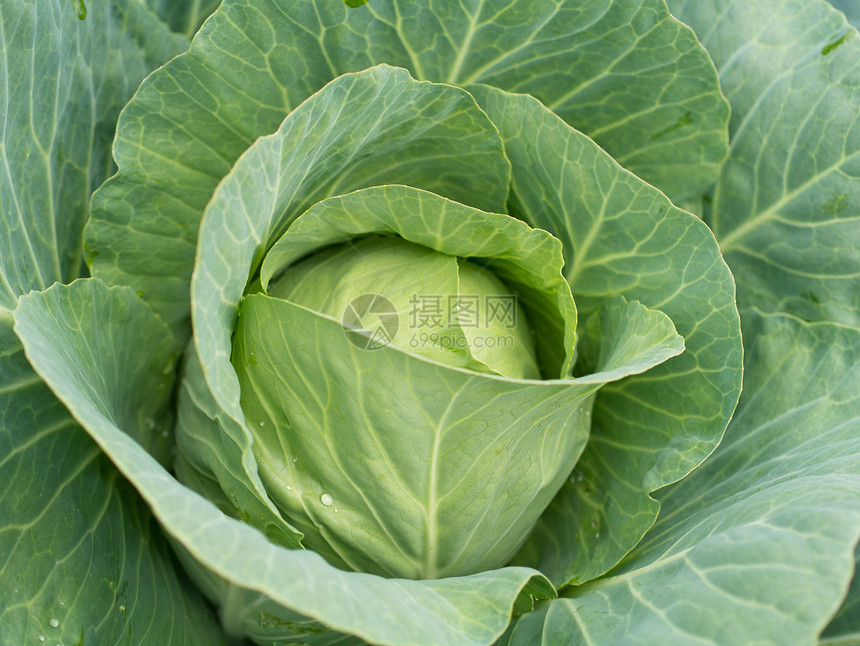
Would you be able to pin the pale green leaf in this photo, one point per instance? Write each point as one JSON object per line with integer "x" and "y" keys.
{"x": 393, "y": 464}
{"x": 623, "y": 237}
{"x": 785, "y": 209}
{"x": 529, "y": 260}
{"x": 756, "y": 546}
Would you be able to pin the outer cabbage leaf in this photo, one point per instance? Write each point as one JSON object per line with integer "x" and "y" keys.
{"x": 786, "y": 209}
{"x": 69, "y": 331}
{"x": 639, "y": 83}
{"x": 623, "y": 237}
{"x": 82, "y": 559}
{"x": 756, "y": 546}
{"x": 79, "y": 549}
{"x": 624, "y": 72}
{"x": 62, "y": 84}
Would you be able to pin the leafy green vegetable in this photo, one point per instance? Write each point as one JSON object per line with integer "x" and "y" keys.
{"x": 389, "y": 329}
{"x": 488, "y": 476}
{"x": 64, "y": 82}
{"x": 256, "y": 62}
{"x": 764, "y": 532}
{"x": 785, "y": 208}
{"x": 470, "y": 610}
{"x": 81, "y": 558}
{"x": 622, "y": 237}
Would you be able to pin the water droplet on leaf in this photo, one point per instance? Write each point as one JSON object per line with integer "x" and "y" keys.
{"x": 54, "y": 622}
{"x": 326, "y": 499}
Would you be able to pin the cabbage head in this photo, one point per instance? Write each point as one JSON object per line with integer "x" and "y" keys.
{"x": 426, "y": 323}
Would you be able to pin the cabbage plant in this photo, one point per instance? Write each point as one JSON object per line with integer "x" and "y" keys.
{"x": 428, "y": 323}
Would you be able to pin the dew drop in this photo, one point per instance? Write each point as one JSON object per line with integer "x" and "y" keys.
{"x": 262, "y": 424}
{"x": 326, "y": 499}
{"x": 289, "y": 488}
{"x": 295, "y": 459}
{"x": 41, "y": 638}
{"x": 597, "y": 535}
{"x": 54, "y": 622}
